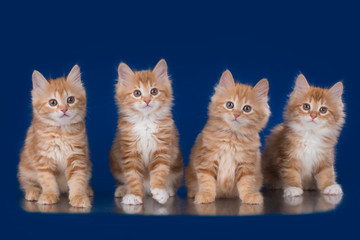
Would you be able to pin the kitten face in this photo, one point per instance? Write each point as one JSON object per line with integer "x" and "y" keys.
{"x": 313, "y": 107}
{"x": 144, "y": 92}
{"x": 240, "y": 105}
{"x": 61, "y": 101}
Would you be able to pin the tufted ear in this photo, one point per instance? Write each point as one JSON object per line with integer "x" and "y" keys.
{"x": 226, "y": 80}
{"x": 161, "y": 70}
{"x": 39, "y": 82}
{"x": 74, "y": 76}
{"x": 301, "y": 84}
{"x": 261, "y": 89}
{"x": 336, "y": 91}
{"x": 125, "y": 73}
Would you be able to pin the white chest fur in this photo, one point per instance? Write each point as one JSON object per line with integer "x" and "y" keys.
{"x": 59, "y": 150}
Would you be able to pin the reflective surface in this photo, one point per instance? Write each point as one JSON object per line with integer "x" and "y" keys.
{"x": 274, "y": 203}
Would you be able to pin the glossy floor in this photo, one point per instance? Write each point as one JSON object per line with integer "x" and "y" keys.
{"x": 274, "y": 203}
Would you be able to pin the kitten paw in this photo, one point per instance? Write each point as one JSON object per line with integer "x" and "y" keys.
{"x": 333, "y": 190}
{"x": 81, "y": 201}
{"x": 160, "y": 195}
{"x": 48, "y": 198}
{"x": 253, "y": 198}
{"x": 172, "y": 192}
{"x": 120, "y": 191}
{"x": 191, "y": 194}
{"x": 32, "y": 194}
{"x": 293, "y": 192}
{"x": 131, "y": 199}
{"x": 204, "y": 197}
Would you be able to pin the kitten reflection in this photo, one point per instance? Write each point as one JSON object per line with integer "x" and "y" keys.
{"x": 62, "y": 206}
{"x": 225, "y": 207}
{"x": 150, "y": 207}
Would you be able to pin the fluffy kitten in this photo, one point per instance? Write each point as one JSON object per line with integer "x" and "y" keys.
{"x": 145, "y": 156}
{"x": 299, "y": 153}
{"x": 55, "y": 156}
{"x": 225, "y": 160}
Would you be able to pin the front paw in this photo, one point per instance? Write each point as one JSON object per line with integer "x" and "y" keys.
{"x": 81, "y": 201}
{"x": 253, "y": 198}
{"x": 333, "y": 190}
{"x": 48, "y": 198}
{"x": 293, "y": 192}
{"x": 160, "y": 195}
{"x": 204, "y": 197}
{"x": 132, "y": 199}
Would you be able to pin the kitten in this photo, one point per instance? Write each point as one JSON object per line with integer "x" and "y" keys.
{"x": 225, "y": 160}
{"x": 299, "y": 153}
{"x": 55, "y": 156}
{"x": 145, "y": 156}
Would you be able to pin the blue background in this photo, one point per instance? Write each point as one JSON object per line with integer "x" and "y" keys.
{"x": 199, "y": 40}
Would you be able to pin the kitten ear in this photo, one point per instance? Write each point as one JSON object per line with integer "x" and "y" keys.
{"x": 301, "y": 84}
{"x": 160, "y": 70}
{"x": 226, "y": 80}
{"x": 336, "y": 91}
{"x": 261, "y": 89}
{"x": 124, "y": 72}
{"x": 39, "y": 82}
{"x": 74, "y": 76}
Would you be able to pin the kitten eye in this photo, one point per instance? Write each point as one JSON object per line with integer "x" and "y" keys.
{"x": 323, "y": 110}
{"x": 70, "y": 100}
{"x": 306, "y": 107}
{"x": 52, "y": 102}
{"x": 247, "y": 108}
{"x": 230, "y": 105}
{"x": 154, "y": 91}
{"x": 137, "y": 93}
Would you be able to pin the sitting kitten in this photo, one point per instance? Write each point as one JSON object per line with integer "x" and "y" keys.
{"x": 145, "y": 156}
{"x": 225, "y": 160}
{"x": 299, "y": 153}
{"x": 55, "y": 156}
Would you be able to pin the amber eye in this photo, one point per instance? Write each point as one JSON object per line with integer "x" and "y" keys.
{"x": 323, "y": 110}
{"x": 154, "y": 91}
{"x": 306, "y": 107}
{"x": 70, "y": 100}
{"x": 247, "y": 108}
{"x": 52, "y": 102}
{"x": 230, "y": 105}
{"x": 137, "y": 93}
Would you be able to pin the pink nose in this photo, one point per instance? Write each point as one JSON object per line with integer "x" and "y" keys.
{"x": 313, "y": 116}
{"x": 64, "y": 110}
{"x": 147, "y": 101}
{"x": 236, "y": 115}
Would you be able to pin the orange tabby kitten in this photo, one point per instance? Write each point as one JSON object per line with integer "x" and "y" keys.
{"x": 55, "y": 156}
{"x": 145, "y": 156}
{"x": 225, "y": 161}
{"x": 299, "y": 153}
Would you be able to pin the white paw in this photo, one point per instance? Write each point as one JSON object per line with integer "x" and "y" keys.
{"x": 131, "y": 199}
{"x": 333, "y": 190}
{"x": 293, "y": 192}
{"x": 160, "y": 195}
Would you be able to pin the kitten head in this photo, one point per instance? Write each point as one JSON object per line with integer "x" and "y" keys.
{"x": 145, "y": 92}
{"x": 59, "y": 101}
{"x": 313, "y": 107}
{"x": 240, "y": 105}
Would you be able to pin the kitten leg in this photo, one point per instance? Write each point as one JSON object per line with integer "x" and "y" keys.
{"x": 207, "y": 185}
{"x": 50, "y": 190}
{"x": 77, "y": 174}
{"x": 159, "y": 171}
{"x": 120, "y": 191}
{"x": 291, "y": 181}
{"x": 247, "y": 183}
{"x": 325, "y": 179}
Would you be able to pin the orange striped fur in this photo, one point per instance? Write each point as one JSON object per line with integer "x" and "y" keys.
{"x": 225, "y": 160}
{"x": 145, "y": 156}
{"x": 300, "y": 153}
{"x": 55, "y": 156}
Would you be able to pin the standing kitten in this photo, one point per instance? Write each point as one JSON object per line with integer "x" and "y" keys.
{"x": 300, "y": 152}
{"x": 145, "y": 156}
{"x": 225, "y": 161}
{"x": 55, "y": 156}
